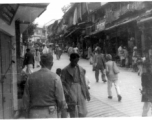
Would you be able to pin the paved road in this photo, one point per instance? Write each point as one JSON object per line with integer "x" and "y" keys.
{"x": 100, "y": 105}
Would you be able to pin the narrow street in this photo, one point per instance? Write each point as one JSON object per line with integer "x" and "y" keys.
{"x": 122, "y": 29}
{"x": 100, "y": 105}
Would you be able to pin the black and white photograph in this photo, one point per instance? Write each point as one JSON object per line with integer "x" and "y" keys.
{"x": 75, "y": 59}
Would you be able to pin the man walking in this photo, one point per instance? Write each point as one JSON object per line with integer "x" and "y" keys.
{"x": 51, "y": 49}
{"x": 43, "y": 94}
{"x": 90, "y": 54}
{"x": 99, "y": 63}
{"x": 58, "y": 52}
{"x": 70, "y": 50}
{"x": 75, "y": 49}
{"x": 76, "y": 91}
{"x": 28, "y": 61}
{"x": 45, "y": 49}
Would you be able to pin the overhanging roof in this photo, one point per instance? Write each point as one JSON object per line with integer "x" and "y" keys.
{"x": 38, "y": 5}
{"x": 72, "y": 32}
{"x": 114, "y": 26}
{"x": 145, "y": 17}
{"x": 26, "y": 13}
{"x": 145, "y": 20}
{"x": 122, "y": 23}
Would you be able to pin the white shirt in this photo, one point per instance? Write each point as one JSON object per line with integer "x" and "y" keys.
{"x": 45, "y": 50}
{"x": 70, "y": 50}
{"x": 87, "y": 81}
{"x": 75, "y": 50}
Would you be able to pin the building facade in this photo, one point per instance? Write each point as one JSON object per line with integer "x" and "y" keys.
{"x": 111, "y": 24}
{"x": 12, "y": 23}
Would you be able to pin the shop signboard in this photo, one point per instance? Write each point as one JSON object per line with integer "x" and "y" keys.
{"x": 7, "y": 12}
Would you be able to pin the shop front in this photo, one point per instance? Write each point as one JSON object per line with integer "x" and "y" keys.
{"x": 145, "y": 25}
{"x": 121, "y": 33}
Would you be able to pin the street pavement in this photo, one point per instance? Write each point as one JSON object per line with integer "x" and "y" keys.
{"x": 100, "y": 105}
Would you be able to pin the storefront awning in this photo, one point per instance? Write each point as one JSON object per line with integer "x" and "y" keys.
{"x": 109, "y": 28}
{"x": 31, "y": 12}
{"x": 145, "y": 20}
{"x": 72, "y": 32}
{"x": 26, "y": 13}
{"x": 94, "y": 33}
{"x": 119, "y": 24}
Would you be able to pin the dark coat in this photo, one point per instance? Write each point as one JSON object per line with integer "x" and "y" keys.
{"x": 67, "y": 77}
{"x": 75, "y": 90}
{"x": 99, "y": 61}
{"x": 146, "y": 83}
{"x": 28, "y": 59}
{"x": 58, "y": 51}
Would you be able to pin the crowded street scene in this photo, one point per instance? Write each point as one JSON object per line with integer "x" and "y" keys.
{"x": 75, "y": 60}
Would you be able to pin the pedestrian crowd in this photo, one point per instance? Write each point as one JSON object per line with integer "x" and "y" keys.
{"x": 129, "y": 58}
{"x": 52, "y": 95}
